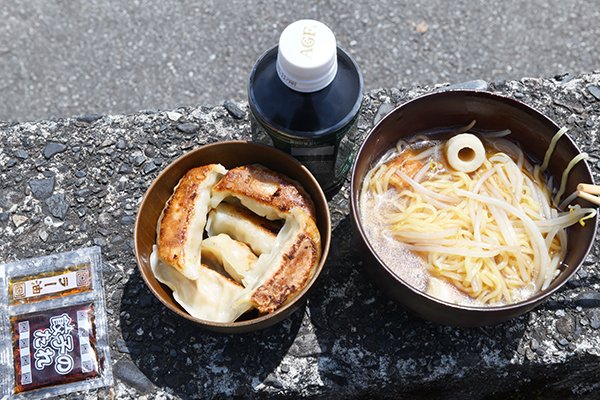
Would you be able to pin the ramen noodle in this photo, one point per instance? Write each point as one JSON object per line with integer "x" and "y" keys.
{"x": 472, "y": 213}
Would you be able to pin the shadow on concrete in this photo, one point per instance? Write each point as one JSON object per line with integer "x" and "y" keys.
{"x": 373, "y": 347}
{"x": 181, "y": 357}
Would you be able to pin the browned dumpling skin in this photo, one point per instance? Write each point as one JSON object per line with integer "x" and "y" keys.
{"x": 292, "y": 269}
{"x": 262, "y": 189}
{"x": 182, "y": 223}
{"x": 281, "y": 274}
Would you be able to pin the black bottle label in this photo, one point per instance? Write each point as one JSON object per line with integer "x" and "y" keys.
{"x": 327, "y": 157}
{"x": 320, "y": 160}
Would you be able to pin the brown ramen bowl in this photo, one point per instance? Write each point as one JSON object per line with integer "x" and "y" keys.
{"x": 230, "y": 154}
{"x": 451, "y": 109}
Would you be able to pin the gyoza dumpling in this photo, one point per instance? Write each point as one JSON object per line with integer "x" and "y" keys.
{"x": 181, "y": 225}
{"x": 284, "y": 271}
{"x": 211, "y": 297}
{"x": 288, "y": 255}
{"x": 263, "y": 191}
{"x": 235, "y": 257}
{"x": 243, "y": 226}
{"x": 279, "y": 275}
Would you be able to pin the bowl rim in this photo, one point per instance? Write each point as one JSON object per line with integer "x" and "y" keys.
{"x": 354, "y": 200}
{"x": 223, "y": 326}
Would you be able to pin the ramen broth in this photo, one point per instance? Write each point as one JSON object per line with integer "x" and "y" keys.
{"x": 404, "y": 263}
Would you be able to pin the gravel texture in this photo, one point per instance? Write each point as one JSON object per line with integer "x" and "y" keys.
{"x": 349, "y": 340}
{"x": 62, "y": 58}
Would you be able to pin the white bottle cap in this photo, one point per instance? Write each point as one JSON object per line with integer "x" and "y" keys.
{"x": 307, "y": 56}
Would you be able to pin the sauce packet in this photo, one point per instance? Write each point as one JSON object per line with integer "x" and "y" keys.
{"x": 53, "y": 326}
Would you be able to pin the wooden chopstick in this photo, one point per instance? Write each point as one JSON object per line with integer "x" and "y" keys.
{"x": 587, "y": 188}
{"x": 587, "y": 192}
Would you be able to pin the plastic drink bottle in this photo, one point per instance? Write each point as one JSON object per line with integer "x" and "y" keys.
{"x": 304, "y": 98}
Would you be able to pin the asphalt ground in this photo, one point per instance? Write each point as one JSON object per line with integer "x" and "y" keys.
{"x": 64, "y": 58}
